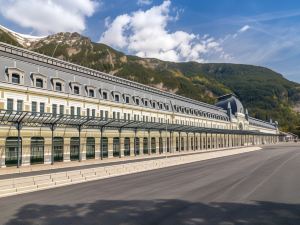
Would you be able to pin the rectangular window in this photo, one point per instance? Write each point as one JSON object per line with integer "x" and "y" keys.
{"x": 88, "y": 112}
{"x": 93, "y": 113}
{"x": 34, "y": 107}
{"x": 20, "y": 105}
{"x": 72, "y": 111}
{"x": 106, "y": 115}
{"x": 125, "y": 116}
{"x": 42, "y": 107}
{"x": 61, "y": 110}
{"x": 54, "y": 109}
{"x": 128, "y": 116}
{"x": 127, "y": 99}
{"x": 114, "y": 115}
{"x": 10, "y": 104}
{"x": 118, "y": 115}
{"x": 78, "y": 112}
{"x": 101, "y": 114}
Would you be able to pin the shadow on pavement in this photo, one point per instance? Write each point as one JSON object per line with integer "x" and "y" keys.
{"x": 171, "y": 212}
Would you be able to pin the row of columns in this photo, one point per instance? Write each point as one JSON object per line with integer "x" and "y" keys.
{"x": 165, "y": 142}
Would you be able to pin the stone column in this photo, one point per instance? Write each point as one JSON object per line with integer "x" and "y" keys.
{"x": 25, "y": 151}
{"x": 172, "y": 142}
{"x": 2, "y": 152}
{"x": 132, "y": 146}
{"x": 157, "y": 145}
{"x": 122, "y": 140}
{"x": 82, "y": 148}
{"x": 47, "y": 150}
{"x": 67, "y": 149}
{"x": 97, "y": 148}
{"x": 187, "y": 142}
{"x": 110, "y": 147}
{"x": 149, "y": 143}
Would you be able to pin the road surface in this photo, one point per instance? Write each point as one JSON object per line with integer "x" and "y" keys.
{"x": 261, "y": 187}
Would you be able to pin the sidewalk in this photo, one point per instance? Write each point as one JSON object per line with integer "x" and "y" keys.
{"x": 39, "y": 169}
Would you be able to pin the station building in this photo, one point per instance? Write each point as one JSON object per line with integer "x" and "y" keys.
{"x": 52, "y": 110}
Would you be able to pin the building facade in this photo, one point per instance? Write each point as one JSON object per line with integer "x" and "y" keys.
{"x": 52, "y": 110}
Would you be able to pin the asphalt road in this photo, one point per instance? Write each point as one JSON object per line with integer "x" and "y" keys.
{"x": 261, "y": 187}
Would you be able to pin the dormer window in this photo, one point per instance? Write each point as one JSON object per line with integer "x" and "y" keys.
{"x": 39, "y": 80}
{"x": 58, "y": 86}
{"x": 137, "y": 101}
{"x": 76, "y": 90}
{"x": 91, "y": 93}
{"x": 117, "y": 98}
{"x": 39, "y": 83}
{"x": 146, "y": 103}
{"x": 127, "y": 99}
{"x": 153, "y": 105}
{"x": 15, "y": 78}
{"x": 15, "y": 75}
{"x": 104, "y": 95}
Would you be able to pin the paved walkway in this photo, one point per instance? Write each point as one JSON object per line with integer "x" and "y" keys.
{"x": 40, "y": 169}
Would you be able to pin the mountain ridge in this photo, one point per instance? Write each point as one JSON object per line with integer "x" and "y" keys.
{"x": 266, "y": 93}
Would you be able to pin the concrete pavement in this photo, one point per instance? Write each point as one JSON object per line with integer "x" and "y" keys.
{"x": 260, "y": 187}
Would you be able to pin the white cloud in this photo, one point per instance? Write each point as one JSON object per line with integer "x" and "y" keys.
{"x": 244, "y": 28}
{"x": 46, "y": 17}
{"x": 144, "y": 2}
{"x": 145, "y": 34}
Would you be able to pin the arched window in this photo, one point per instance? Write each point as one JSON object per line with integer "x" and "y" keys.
{"x": 104, "y": 147}
{"x": 116, "y": 146}
{"x": 137, "y": 146}
{"x": 58, "y": 147}
{"x": 126, "y": 146}
{"x": 37, "y": 150}
{"x": 11, "y": 151}
{"x": 90, "y": 147}
{"x": 145, "y": 145}
{"x": 74, "y": 148}
{"x": 153, "y": 145}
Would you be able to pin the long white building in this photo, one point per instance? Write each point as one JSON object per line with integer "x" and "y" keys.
{"x": 52, "y": 110}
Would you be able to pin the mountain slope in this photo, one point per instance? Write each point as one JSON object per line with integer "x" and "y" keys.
{"x": 264, "y": 92}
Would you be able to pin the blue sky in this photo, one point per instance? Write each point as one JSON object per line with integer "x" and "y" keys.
{"x": 255, "y": 32}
